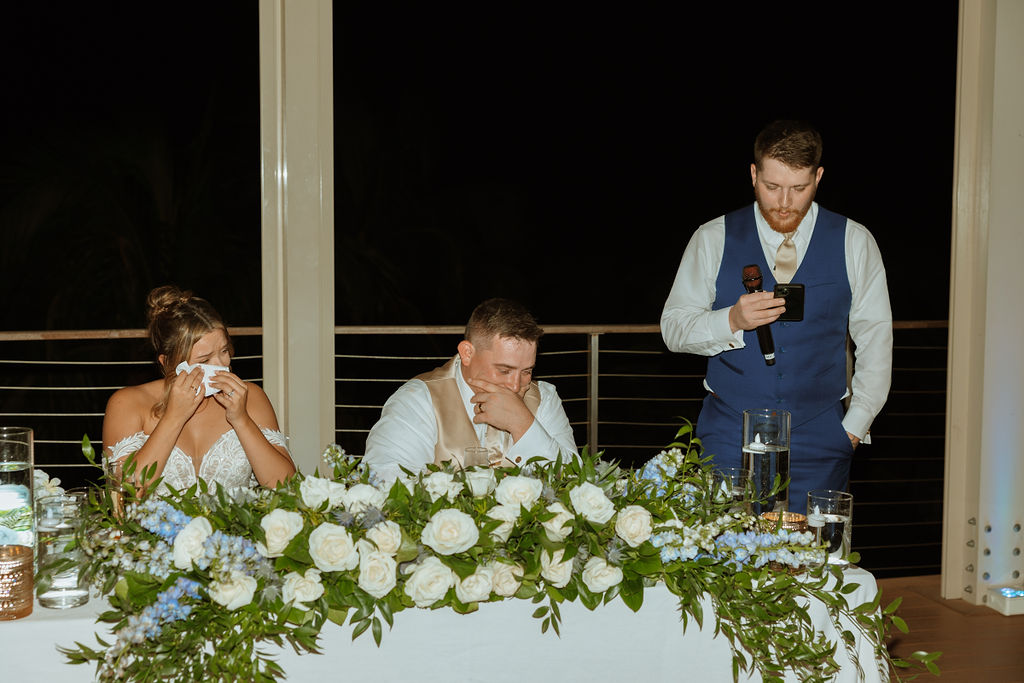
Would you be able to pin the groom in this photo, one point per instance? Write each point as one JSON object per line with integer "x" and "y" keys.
{"x": 484, "y": 396}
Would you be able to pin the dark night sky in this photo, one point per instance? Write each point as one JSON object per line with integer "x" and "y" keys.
{"x": 563, "y": 157}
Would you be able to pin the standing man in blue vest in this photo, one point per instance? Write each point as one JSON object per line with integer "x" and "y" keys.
{"x": 792, "y": 240}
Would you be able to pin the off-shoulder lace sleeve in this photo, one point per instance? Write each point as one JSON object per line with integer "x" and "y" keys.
{"x": 276, "y": 438}
{"x": 127, "y": 445}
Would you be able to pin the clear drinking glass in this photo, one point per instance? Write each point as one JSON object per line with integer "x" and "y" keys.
{"x": 113, "y": 480}
{"x": 732, "y": 483}
{"x": 16, "y": 523}
{"x": 765, "y": 456}
{"x": 58, "y": 518}
{"x": 830, "y": 517}
{"x": 476, "y": 456}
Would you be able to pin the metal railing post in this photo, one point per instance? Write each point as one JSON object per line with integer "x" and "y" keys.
{"x": 593, "y": 362}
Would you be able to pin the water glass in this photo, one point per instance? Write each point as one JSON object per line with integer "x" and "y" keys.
{"x": 113, "y": 480}
{"x": 732, "y": 483}
{"x": 476, "y": 456}
{"x": 58, "y": 518}
{"x": 16, "y": 524}
{"x": 830, "y": 517}
{"x": 766, "y": 456}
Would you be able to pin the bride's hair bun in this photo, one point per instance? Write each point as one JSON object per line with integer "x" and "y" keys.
{"x": 164, "y": 300}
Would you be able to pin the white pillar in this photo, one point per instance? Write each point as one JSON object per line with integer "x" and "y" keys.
{"x": 297, "y": 152}
{"x": 984, "y": 509}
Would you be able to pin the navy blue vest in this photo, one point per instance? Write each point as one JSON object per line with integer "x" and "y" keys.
{"x": 809, "y": 375}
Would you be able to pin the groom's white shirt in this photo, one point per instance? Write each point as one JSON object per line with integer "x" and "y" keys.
{"x": 406, "y": 433}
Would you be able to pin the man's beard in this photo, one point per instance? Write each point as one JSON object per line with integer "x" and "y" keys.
{"x": 778, "y": 223}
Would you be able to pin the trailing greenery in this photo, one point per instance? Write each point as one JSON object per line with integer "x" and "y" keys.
{"x": 200, "y": 581}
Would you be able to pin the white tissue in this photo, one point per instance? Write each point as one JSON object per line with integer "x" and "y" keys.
{"x": 208, "y": 372}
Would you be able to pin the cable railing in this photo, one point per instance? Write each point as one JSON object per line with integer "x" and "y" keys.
{"x": 624, "y": 393}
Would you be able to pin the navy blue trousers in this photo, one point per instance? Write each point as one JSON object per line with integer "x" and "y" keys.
{"x": 820, "y": 450}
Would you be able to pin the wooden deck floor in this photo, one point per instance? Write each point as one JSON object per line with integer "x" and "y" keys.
{"x": 979, "y": 644}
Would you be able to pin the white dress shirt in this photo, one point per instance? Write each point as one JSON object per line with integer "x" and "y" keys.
{"x": 406, "y": 433}
{"x": 689, "y": 325}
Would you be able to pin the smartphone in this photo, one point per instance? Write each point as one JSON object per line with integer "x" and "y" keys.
{"x": 794, "y": 295}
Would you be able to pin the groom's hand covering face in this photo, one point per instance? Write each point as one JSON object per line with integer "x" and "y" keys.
{"x": 500, "y": 372}
{"x": 504, "y": 361}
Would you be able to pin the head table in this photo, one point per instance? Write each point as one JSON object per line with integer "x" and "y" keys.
{"x": 500, "y": 642}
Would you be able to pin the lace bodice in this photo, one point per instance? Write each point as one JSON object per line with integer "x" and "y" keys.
{"x": 224, "y": 464}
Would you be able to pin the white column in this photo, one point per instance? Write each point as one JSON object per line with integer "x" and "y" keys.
{"x": 297, "y": 151}
{"x": 984, "y": 508}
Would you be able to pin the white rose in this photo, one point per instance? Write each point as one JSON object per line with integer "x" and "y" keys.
{"x": 591, "y": 502}
{"x": 188, "y": 544}
{"x": 377, "y": 571}
{"x": 281, "y": 526}
{"x": 332, "y": 548}
{"x": 387, "y": 536}
{"x": 476, "y": 587}
{"x": 480, "y": 481}
{"x": 633, "y": 525}
{"x": 450, "y": 531}
{"x": 363, "y": 496}
{"x": 336, "y": 494}
{"x": 599, "y": 576}
{"x": 554, "y": 570}
{"x": 237, "y": 591}
{"x": 314, "y": 491}
{"x": 429, "y": 582}
{"x": 506, "y": 578}
{"x": 302, "y": 588}
{"x": 507, "y": 515}
{"x": 441, "y": 484}
{"x": 517, "y": 490}
{"x": 556, "y": 528}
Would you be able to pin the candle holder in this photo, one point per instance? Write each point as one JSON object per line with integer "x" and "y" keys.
{"x": 766, "y": 457}
{"x": 791, "y": 521}
{"x": 16, "y": 584}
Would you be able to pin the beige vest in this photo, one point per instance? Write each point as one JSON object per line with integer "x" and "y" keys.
{"x": 455, "y": 431}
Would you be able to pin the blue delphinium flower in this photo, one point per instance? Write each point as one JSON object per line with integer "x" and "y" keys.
{"x": 168, "y": 607}
{"x": 161, "y": 518}
{"x": 752, "y": 548}
{"x": 224, "y": 553}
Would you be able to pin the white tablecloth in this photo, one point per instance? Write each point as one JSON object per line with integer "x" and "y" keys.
{"x": 500, "y": 642}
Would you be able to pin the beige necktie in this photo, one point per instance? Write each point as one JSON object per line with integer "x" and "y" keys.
{"x": 785, "y": 260}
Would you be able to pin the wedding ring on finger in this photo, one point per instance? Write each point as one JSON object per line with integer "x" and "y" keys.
{"x": 231, "y": 393}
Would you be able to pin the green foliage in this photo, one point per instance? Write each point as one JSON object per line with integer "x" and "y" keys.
{"x": 550, "y": 532}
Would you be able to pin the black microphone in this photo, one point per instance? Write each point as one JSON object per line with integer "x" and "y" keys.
{"x": 752, "y": 283}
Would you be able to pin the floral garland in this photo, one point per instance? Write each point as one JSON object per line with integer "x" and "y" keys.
{"x": 182, "y": 570}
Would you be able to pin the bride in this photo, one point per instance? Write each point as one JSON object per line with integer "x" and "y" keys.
{"x": 229, "y": 438}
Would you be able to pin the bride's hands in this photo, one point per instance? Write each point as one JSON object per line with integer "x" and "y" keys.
{"x": 232, "y": 396}
{"x": 186, "y": 394}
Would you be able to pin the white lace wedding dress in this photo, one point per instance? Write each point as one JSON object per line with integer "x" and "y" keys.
{"x": 224, "y": 464}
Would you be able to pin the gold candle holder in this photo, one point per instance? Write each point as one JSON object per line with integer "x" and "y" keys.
{"x": 791, "y": 521}
{"x": 16, "y": 583}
